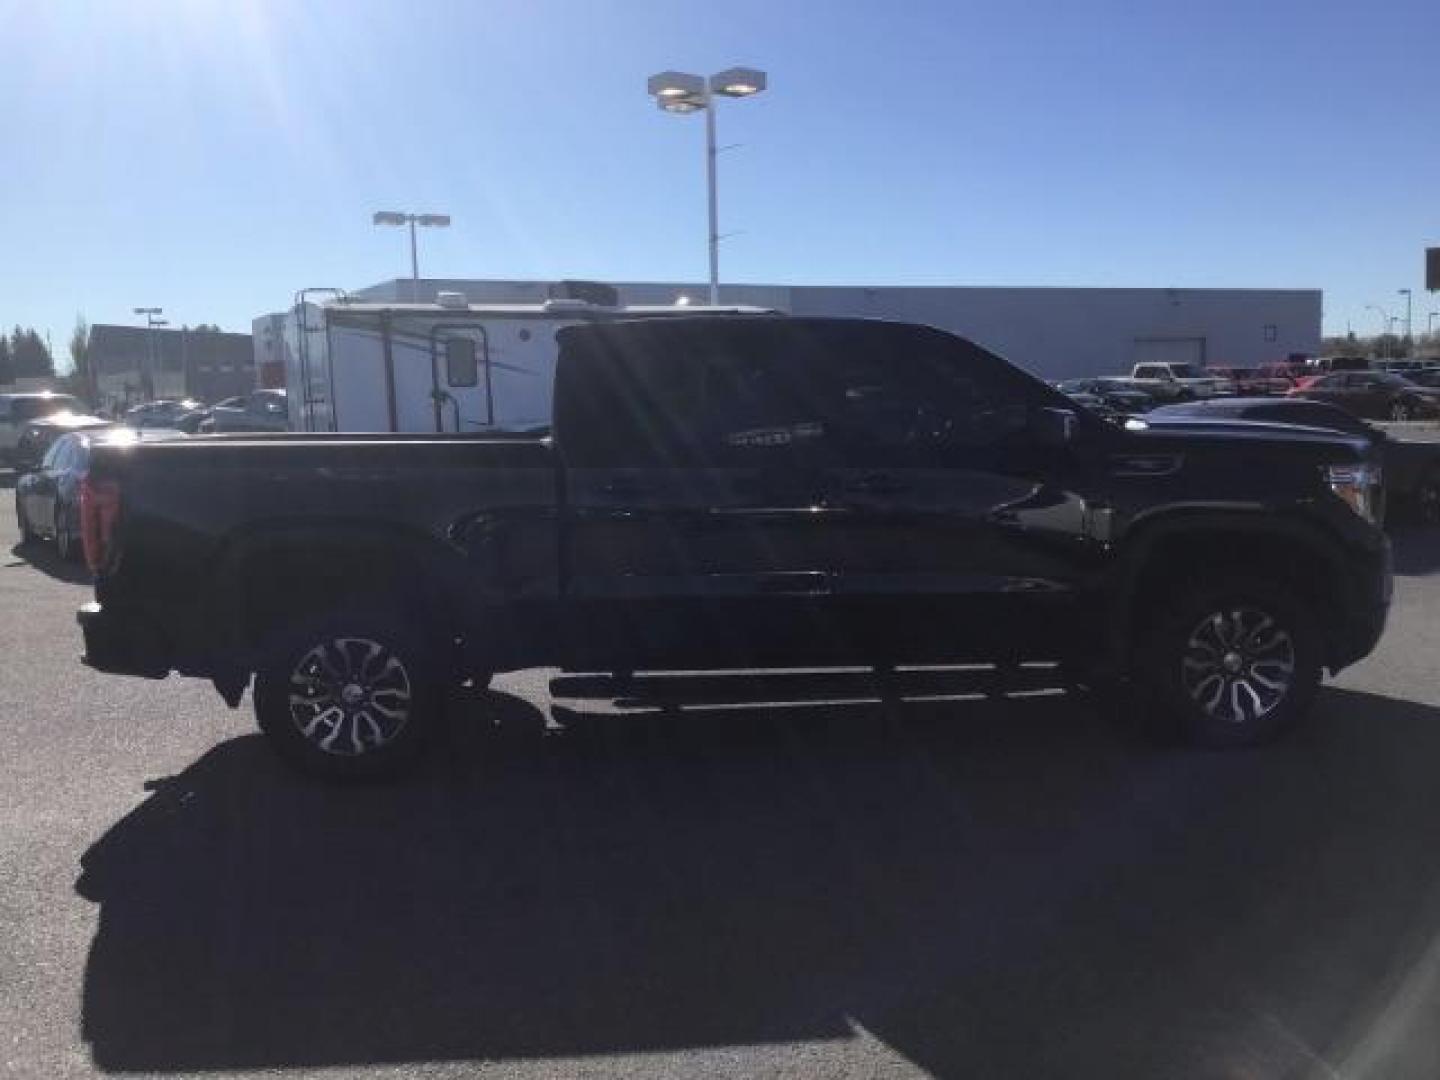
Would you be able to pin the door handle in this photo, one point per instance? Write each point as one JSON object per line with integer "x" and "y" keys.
{"x": 876, "y": 484}
{"x": 622, "y": 486}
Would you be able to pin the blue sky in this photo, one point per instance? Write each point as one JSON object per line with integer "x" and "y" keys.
{"x": 213, "y": 156}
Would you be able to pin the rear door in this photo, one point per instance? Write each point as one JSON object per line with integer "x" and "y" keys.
{"x": 692, "y": 532}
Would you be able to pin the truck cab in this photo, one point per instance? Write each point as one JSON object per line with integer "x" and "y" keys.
{"x": 1176, "y": 381}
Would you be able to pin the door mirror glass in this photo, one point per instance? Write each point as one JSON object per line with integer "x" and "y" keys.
{"x": 1053, "y": 427}
{"x": 462, "y": 362}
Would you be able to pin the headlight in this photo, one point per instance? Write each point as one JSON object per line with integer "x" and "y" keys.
{"x": 1358, "y": 485}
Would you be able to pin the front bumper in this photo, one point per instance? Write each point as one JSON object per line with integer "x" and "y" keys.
{"x": 122, "y": 646}
{"x": 1359, "y": 631}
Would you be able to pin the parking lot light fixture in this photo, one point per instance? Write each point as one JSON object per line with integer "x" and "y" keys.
{"x": 738, "y": 82}
{"x": 425, "y": 221}
{"x": 682, "y": 92}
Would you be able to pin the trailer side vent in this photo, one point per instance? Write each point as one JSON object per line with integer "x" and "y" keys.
{"x": 592, "y": 292}
{"x": 448, "y": 299}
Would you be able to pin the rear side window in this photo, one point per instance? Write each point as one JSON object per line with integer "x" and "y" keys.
{"x": 462, "y": 362}
{"x": 625, "y": 399}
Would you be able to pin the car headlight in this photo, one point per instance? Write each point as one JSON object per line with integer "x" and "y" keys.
{"x": 1358, "y": 485}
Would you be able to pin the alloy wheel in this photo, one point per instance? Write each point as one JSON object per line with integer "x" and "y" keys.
{"x": 1239, "y": 665}
{"x": 350, "y": 696}
{"x": 1427, "y": 500}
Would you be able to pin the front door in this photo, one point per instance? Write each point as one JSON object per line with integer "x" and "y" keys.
{"x": 953, "y": 532}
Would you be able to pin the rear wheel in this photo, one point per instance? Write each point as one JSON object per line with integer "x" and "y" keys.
{"x": 27, "y": 531}
{"x": 352, "y": 695}
{"x": 1231, "y": 662}
{"x": 1427, "y": 497}
{"x": 65, "y": 541}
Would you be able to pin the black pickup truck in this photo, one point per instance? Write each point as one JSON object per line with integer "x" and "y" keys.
{"x": 740, "y": 491}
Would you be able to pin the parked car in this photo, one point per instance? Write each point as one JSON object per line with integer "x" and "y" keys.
{"x": 1176, "y": 382}
{"x": 1411, "y": 460}
{"x": 38, "y": 435}
{"x": 1112, "y": 395}
{"x": 1406, "y": 367}
{"x": 1376, "y": 395}
{"x": 185, "y": 414}
{"x": 1252, "y": 381}
{"x": 262, "y": 410}
{"x": 47, "y": 498}
{"x": 741, "y": 492}
{"x": 1281, "y": 410}
{"x": 17, "y": 410}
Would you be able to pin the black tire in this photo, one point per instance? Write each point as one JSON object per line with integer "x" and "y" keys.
{"x": 65, "y": 541}
{"x": 1425, "y": 502}
{"x": 1241, "y": 681}
{"x": 27, "y": 534}
{"x": 390, "y": 699}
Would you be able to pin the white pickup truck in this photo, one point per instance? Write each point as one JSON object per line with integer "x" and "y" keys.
{"x": 1176, "y": 382}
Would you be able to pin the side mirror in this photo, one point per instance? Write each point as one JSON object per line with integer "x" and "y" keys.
{"x": 1054, "y": 427}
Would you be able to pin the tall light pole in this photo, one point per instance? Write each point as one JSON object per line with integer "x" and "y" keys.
{"x": 1409, "y": 312}
{"x": 425, "y": 221}
{"x": 678, "y": 92}
{"x": 147, "y": 380}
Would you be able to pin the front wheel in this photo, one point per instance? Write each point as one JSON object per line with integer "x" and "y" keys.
{"x": 27, "y": 532}
{"x": 352, "y": 695}
{"x": 1231, "y": 662}
{"x": 1427, "y": 497}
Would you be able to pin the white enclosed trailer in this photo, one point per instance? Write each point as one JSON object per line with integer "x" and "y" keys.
{"x": 448, "y": 366}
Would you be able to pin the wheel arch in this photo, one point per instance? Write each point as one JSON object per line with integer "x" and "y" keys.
{"x": 1163, "y": 554}
{"x": 272, "y": 572}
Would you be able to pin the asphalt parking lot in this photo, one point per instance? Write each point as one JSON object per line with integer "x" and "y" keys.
{"x": 717, "y": 876}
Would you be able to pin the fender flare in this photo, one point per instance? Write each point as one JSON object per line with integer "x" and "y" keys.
{"x": 1141, "y": 540}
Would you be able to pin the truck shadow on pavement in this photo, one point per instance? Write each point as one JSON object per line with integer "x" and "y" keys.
{"x": 43, "y": 557}
{"x": 1004, "y": 888}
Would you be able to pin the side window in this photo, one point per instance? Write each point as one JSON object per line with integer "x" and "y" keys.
{"x": 909, "y": 399}
{"x": 626, "y": 398}
{"x": 462, "y": 362}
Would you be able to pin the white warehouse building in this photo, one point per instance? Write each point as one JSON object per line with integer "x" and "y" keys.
{"x": 1054, "y": 333}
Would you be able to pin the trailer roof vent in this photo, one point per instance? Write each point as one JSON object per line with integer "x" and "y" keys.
{"x": 566, "y": 303}
{"x": 448, "y": 299}
{"x": 592, "y": 292}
